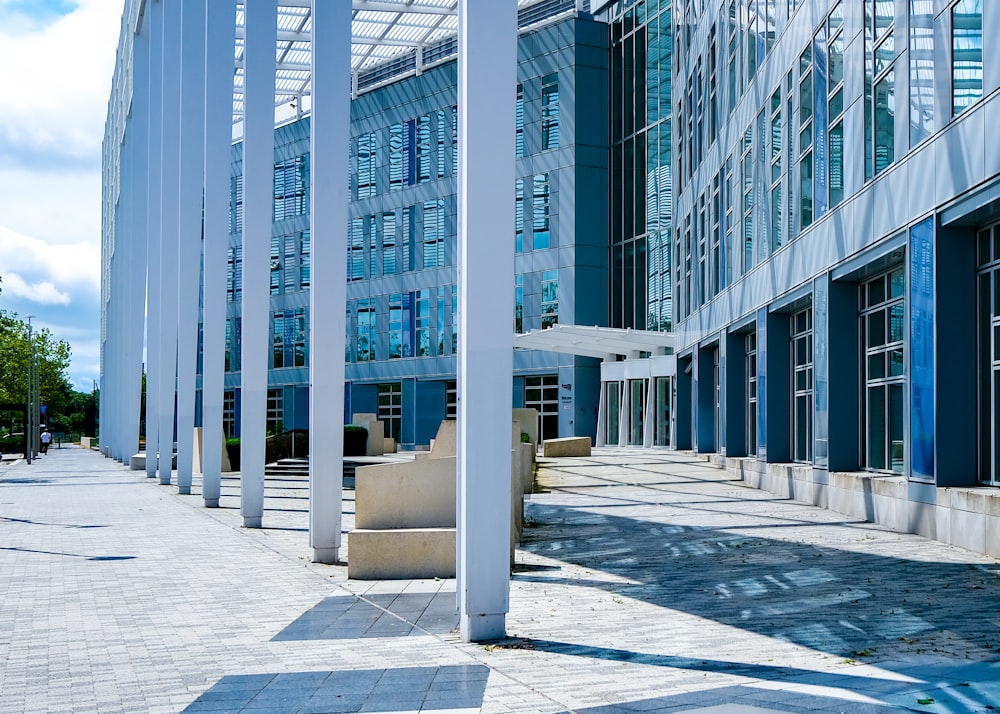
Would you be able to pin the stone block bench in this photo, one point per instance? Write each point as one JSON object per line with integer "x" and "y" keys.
{"x": 567, "y": 446}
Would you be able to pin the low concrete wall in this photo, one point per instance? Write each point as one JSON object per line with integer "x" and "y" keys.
{"x": 401, "y": 554}
{"x": 419, "y": 494}
{"x": 376, "y": 433}
{"x": 85, "y": 441}
{"x": 567, "y": 446}
{"x": 528, "y": 419}
{"x": 137, "y": 462}
{"x": 966, "y": 517}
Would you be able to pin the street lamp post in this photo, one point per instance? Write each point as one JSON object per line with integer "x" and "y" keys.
{"x": 32, "y": 411}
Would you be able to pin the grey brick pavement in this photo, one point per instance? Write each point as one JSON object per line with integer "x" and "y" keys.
{"x": 648, "y": 581}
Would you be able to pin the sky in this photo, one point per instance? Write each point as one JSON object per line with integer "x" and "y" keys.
{"x": 57, "y": 59}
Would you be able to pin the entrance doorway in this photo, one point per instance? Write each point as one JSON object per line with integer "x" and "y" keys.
{"x": 542, "y": 393}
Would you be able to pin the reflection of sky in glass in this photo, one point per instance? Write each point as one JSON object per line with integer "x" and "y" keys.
{"x": 967, "y": 53}
{"x": 921, "y": 69}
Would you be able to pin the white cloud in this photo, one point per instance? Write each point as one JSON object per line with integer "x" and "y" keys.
{"x": 45, "y": 293}
{"x": 57, "y": 79}
{"x": 66, "y": 266}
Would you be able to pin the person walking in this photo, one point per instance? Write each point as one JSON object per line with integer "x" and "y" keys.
{"x": 46, "y": 438}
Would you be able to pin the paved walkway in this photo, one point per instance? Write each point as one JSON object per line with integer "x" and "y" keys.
{"x": 648, "y": 581}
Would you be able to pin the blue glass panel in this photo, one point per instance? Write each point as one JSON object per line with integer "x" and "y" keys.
{"x": 820, "y": 126}
{"x": 921, "y": 282}
{"x": 821, "y": 371}
{"x": 762, "y": 384}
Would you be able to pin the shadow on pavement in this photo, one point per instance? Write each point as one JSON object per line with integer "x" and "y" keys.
{"x": 373, "y": 690}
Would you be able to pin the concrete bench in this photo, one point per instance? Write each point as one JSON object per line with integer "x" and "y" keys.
{"x": 401, "y": 553}
{"x": 567, "y": 446}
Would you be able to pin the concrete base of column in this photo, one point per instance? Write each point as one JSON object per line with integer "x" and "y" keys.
{"x": 150, "y": 475}
{"x": 252, "y": 521}
{"x": 164, "y": 479}
{"x": 482, "y": 628}
{"x": 328, "y": 556}
{"x": 211, "y": 503}
{"x": 184, "y": 490}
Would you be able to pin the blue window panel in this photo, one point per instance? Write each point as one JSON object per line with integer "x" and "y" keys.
{"x": 921, "y": 302}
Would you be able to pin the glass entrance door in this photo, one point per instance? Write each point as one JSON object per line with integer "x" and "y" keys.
{"x": 637, "y": 407}
{"x": 542, "y": 393}
{"x": 661, "y": 434}
{"x": 613, "y": 409}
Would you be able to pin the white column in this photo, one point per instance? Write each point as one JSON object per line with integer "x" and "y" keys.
{"x": 169, "y": 176}
{"x": 330, "y": 127}
{"x": 624, "y": 412}
{"x": 220, "y": 34}
{"x": 153, "y": 22}
{"x": 258, "y": 198}
{"x": 192, "y": 179}
{"x": 139, "y": 127}
{"x": 487, "y": 72}
{"x": 649, "y": 413}
{"x": 602, "y": 415}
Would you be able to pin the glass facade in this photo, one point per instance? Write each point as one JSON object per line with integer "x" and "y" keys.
{"x": 641, "y": 210}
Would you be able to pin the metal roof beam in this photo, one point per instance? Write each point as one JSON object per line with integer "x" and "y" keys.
{"x": 378, "y": 6}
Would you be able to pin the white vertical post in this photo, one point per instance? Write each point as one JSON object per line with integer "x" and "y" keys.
{"x": 258, "y": 197}
{"x": 139, "y": 229}
{"x": 487, "y": 71}
{"x": 649, "y": 413}
{"x": 170, "y": 186}
{"x": 153, "y": 21}
{"x": 329, "y": 137}
{"x": 625, "y": 409}
{"x": 602, "y": 418}
{"x": 192, "y": 179}
{"x": 220, "y": 33}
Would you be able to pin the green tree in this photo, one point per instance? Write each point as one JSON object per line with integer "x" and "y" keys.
{"x": 15, "y": 354}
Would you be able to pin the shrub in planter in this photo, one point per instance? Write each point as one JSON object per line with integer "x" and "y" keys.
{"x": 355, "y": 440}
{"x": 233, "y": 451}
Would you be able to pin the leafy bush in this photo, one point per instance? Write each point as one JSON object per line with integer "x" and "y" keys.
{"x": 525, "y": 437}
{"x": 355, "y": 440}
{"x": 12, "y": 445}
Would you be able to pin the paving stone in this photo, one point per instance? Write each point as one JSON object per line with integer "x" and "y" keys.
{"x": 647, "y": 581}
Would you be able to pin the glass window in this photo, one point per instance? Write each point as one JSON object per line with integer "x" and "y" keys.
{"x": 518, "y": 304}
{"x": 750, "y": 346}
{"x": 519, "y": 122}
{"x": 290, "y": 179}
{"x": 423, "y": 322}
{"x": 966, "y": 53}
{"x": 389, "y": 243}
{"x": 885, "y": 117}
{"x": 550, "y": 298}
{"x": 229, "y": 412}
{"x": 540, "y": 212}
{"x": 278, "y": 340}
{"x": 422, "y": 147}
{"x": 395, "y": 326}
{"x": 390, "y": 408}
{"x": 442, "y": 137}
{"x": 882, "y": 324}
{"x": 519, "y": 215}
{"x": 366, "y": 330}
{"x": 367, "y": 158}
{"x": 836, "y": 163}
{"x": 275, "y": 411}
{"x": 434, "y": 233}
{"x": 356, "y": 250}
{"x": 550, "y": 111}
{"x": 802, "y": 385}
{"x": 921, "y": 69}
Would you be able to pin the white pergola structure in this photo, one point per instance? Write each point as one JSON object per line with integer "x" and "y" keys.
{"x": 191, "y": 74}
{"x": 646, "y": 353}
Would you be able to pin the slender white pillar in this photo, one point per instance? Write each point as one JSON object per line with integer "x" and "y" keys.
{"x": 602, "y": 418}
{"x": 221, "y": 39}
{"x": 258, "y": 197}
{"x": 192, "y": 179}
{"x": 153, "y": 21}
{"x": 170, "y": 171}
{"x": 624, "y": 410}
{"x": 487, "y": 71}
{"x": 329, "y": 138}
{"x": 649, "y": 413}
{"x": 139, "y": 128}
